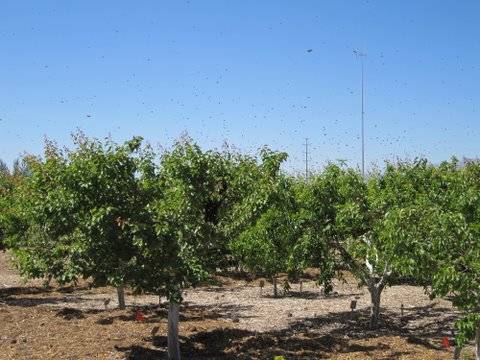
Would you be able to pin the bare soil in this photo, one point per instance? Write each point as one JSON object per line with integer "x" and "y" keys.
{"x": 234, "y": 320}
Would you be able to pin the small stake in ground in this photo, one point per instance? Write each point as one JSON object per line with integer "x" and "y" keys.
{"x": 106, "y": 302}
{"x": 456, "y": 349}
{"x": 155, "y": 330}
{"x": 301, "y": 285}
{"x": 139, "y": 316}
{"x": 353, "y": 305}
{"x": 402, "y": 312}
{"x": 262, "y": 284}
{"x": 286, "y": 287}
{"x": 446, "y": 343}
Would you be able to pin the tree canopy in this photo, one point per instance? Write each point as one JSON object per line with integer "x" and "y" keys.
{"x": 120, "y": 215}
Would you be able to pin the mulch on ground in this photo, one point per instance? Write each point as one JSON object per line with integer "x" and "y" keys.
{"x": 232, "y": 320}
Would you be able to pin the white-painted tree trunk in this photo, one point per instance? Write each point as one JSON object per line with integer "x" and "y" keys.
{"x": 477, "y": 342}
{"x": 275, "y": 290}
{"x": 173, "y": 341}
{"x": 375, "y": 296}
{"x": 456, "y": 353}
{"x": 375, "y": 285}
{"x": 121, "y": 296}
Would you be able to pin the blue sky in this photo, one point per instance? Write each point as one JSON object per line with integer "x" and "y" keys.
{"x": 241, "y": 72}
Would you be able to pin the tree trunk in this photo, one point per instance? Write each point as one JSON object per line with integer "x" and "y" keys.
{"x": 477, "y": 342}
{"x": 121, "y": 296}
{"x": 173, "y": 342}
{"x": 375, "y": 294}
{"x": 456, "y": 353}
{"x": 274, "y": 281}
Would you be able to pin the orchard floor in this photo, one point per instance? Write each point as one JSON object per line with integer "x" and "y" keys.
{"x": 233, "y": 320}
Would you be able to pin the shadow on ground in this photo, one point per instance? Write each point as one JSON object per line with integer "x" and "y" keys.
{"x": 29, "y": 296}
{"x": 310, "y": 338}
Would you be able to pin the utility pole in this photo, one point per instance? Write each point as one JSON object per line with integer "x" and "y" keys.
{"x": 362, "y": 55}
{"x": 306, "y": 158}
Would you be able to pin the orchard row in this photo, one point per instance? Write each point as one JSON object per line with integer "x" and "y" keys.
{"x": 121, "y": 215}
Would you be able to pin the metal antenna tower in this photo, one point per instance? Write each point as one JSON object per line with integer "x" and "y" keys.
{"x": 362, "y": 55}
{"x": 306, "y": 158}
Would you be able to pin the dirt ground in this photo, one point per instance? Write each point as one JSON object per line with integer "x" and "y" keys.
{"x": 235, "y": 320}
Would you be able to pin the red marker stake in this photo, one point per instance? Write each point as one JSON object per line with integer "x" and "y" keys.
{"x": 446, "y": 343}
{"x": 139, "y": 316}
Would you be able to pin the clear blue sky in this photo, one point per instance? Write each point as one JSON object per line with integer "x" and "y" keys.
{"x": 241, "y": 71}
